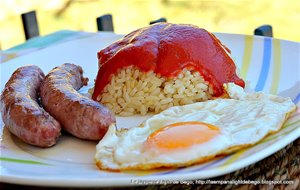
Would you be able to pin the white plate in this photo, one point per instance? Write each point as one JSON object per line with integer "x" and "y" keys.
{"x": 274, "y": 63}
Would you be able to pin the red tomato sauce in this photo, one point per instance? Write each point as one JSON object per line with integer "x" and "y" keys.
{"x": 167, "y": 49}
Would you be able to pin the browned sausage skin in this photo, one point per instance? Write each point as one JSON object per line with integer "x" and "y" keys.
{"x": 79, "y": 115}
{"x": 21, "y": 112}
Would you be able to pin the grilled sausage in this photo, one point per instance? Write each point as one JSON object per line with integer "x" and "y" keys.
{"x": 78, "y": 115}
{"x": 21, "y": 112}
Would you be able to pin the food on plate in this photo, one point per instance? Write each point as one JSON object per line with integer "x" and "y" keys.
{"x": 194, "y": 133}
{"x": 78, "y": 115}
{"x": 160, "y": 66}
{"x": 21, "y": 112}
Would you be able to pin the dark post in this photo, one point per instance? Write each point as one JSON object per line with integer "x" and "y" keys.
{"x": 30, "y": 25}
{"x": 264, "y": 30}
{"x": 105, "y": 23}
{"x": 158, "y": 20}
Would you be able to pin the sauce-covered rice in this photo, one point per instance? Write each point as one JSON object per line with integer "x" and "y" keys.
{"x": 131, "y": 91}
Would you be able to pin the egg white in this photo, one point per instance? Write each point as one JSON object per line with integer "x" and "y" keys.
{"x": 244, "y": 119}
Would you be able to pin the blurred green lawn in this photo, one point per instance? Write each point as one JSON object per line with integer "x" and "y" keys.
{"x": 230, "y": 16}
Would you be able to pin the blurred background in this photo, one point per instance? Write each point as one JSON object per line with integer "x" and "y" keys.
{"x": 229, "y": 16}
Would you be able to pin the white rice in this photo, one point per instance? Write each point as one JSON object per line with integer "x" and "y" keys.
{"x": 131, "y": 91}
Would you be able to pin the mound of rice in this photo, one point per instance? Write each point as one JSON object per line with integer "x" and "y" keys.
{"x": 131, "y": 91}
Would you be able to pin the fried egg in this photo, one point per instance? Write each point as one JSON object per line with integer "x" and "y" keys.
{"x": 194, "y": 133}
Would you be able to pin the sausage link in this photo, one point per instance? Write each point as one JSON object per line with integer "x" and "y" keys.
{"x": 21, "y": 112}
{"x": 78, "y": 115}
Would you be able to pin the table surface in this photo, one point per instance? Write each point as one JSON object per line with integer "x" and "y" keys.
{"x": 283, "y": 165}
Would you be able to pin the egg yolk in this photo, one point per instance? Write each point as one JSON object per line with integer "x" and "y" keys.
{"x": 181, "y": 135}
